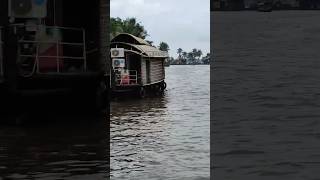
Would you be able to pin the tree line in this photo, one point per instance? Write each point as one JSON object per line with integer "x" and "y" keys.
{"x": 195, "y": 56}
{"x": 131, "y": 26}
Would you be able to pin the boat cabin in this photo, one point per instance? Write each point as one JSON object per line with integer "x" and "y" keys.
{"x": 136, "y": 65}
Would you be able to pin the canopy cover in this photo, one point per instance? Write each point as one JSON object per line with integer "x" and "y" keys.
{"x": 141, "y": 45}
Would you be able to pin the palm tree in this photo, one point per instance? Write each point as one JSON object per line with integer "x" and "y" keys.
{"x": 116, "y": 27}
{"x": 179, "y": 51}
{"x": 191, "y": 58}
{"x": 131, "y": 26}
{"x": 128, "y": 25}
{"x": 206, "y": 59}
{"x": 164, "y": 47}
{"x": 194, "y": 51}
{"x": 184, "y": 55}
{"x": 199, "y": 54}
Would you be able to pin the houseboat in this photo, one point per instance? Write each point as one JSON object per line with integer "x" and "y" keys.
{"x": 137, "y": 66}
{"x": 55, "y": 47}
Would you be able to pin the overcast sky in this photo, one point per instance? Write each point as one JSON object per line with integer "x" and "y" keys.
{"x": 181, "y": 23}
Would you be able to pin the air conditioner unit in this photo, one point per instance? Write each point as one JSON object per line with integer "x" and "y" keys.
{"x": 28, "y": 8}
{"x": 117, "y": 52}
{"x": 118, "y": 63}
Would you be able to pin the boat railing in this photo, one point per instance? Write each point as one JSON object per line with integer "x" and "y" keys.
{"x": 127, "y": 79}
{"x": 51, "y": 54}
{"x": 1, "y": 52}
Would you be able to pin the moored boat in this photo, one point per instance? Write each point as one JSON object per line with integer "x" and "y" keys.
{"x": 136, "y": 65}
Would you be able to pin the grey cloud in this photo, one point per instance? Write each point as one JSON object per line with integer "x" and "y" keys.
{"x": 180, "y": 23}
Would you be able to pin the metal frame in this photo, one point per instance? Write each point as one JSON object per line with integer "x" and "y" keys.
{"x": 132, "y": 81}
{"x": 58, "y": 44}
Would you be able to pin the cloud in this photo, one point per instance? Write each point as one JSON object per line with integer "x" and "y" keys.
{"x": 181, "y": 23}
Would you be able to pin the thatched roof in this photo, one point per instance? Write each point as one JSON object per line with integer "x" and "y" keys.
{"x": 129, "y": 38}
{"x": 139, "y": 45}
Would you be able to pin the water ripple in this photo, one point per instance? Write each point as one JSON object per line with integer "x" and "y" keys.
{"x": 164, "y": 138}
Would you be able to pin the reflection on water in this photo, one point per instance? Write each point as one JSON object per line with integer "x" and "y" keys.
{"x": 164, "y": 137}
{"x": 55, "y": 148}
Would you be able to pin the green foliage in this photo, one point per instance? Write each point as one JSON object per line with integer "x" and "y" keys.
{"x": 193, "y": 57}
{"x": 206, "y": 59}
{"x": 164, "y": 46}
{"x": 129, "y": 25}
{"x": 179, "y": 51}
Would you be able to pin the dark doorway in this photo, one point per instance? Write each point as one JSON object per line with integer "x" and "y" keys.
{"x": 134, "y": 65}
